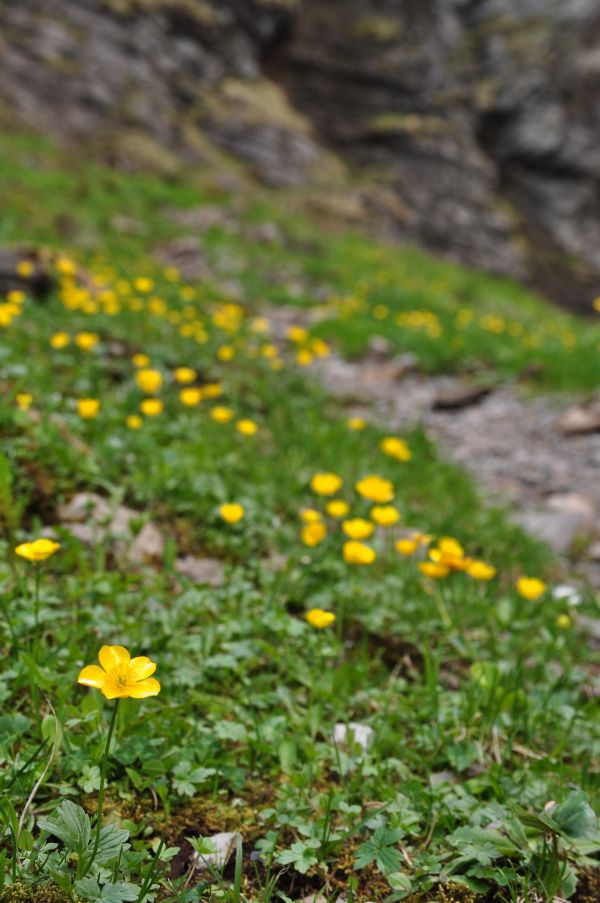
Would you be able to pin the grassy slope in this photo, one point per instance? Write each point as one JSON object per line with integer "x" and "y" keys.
{"x": 462, "y": 680}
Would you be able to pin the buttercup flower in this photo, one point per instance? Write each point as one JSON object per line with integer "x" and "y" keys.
{"x": 60, "y": 340}
{"x": 140, "y": 360}
{"x": 231, "y": 512}
{"x": 358, "y": 553}
{"x": 450, "y": 553}
{"x": 86, "y": 340}
{"x": 563, "y": 622}
{"x": 396, "y": 448}
{"x": 25, "y": 268}
{"x": 246, "y": 427}
{"x": 24, "y": 400}
{"x": 314, "y": 533}
{"x": 375, "y": 489}
{"x": 143, "y": 284}
{"x": 356, "y": 423}
{"x": 337, "y": 508}
{"x": 407, "y": 546}
{"x": 221, "y": 414}
{"x": 385, "y": 515}
{"x": 38, "y": 550}
{"x": 134, "y": 422}
{"x": 530, "y": 587}
{"x": 185, "y": 375}
{"x": 479, "y": 570}
{"x": 151, "y": 407}
{"x": 121, "y": 676}
{"x": 319, "y": 618}
{"x": 88, "y": 408}
{"x": 212, "y": 390}
{"x": 190, "y": 397}
{"x": 310, "y": 515}
{"x": 358, "y": 528}
{"x": 432, "y": 569}
{"x": 148, "y": 380}
{"x": 226, "y": 353}
{"x": 325, "y": 483}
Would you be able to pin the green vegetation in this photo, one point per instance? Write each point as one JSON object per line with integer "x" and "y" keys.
{"x": 130, "y": 384}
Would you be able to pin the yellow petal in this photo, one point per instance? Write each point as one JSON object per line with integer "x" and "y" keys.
{"x": 112, "y": 690}
{"x": 113, "y": 656}
{"x": 92, "y": 676}
{"x": 141, "y": 667}
{"x": 149, "y": 687}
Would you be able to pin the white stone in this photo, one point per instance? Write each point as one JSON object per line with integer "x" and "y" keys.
{"x": 224, "y": 844}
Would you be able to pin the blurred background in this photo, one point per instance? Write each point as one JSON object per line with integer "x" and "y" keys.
{"x": 471, "y": 127}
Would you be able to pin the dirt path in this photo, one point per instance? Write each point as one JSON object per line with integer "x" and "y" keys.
{"x": 514, "y": 446}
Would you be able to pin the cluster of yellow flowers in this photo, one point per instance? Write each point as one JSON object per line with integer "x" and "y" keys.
{"x": 11, "y": 308}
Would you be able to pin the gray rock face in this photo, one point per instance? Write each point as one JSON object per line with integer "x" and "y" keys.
{"x": 482, "y": 116}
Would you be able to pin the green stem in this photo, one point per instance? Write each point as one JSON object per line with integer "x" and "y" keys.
{"x": 36, "y": 599}
{"x": 111, "y": 728}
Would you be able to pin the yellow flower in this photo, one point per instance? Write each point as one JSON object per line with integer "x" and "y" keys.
{"x": 149, "y": 381}
{"x": 325, "y": 483}
{"x": 310, "y": 515}
{"x": 226, "y": 353}
{"x": 134, "y": 422}
{"x": 86, "y": 340}
{"x": 88, "y": 408}
{"x": 432, "y": 569}
{"x": 66, "y": 266}
{"x": 246, "y": 427}
{"x": 479, "y": 570}
{"x": 319, "y": 618}
{"x": 38, "y": 550}
{"x": 530, "y": 587}
{"x": 396, "y": 448}
{"x": 422, "y": 538}
{"x": 24, "y": 400}
{"x": 231, "y": 512}
{"x": 375, "y": 489}
{"x": 121, "y": 676}
{"x": 337, "y": 508}
{"x": 304, "y": 357}
{"x": 297, "y": 334}
{"x": 356, "y": 423}
{"x": 60, "y": 340}
{"x": 358, "y": 528}
{"x": 185, "y": 375}
{"x": 385, "y": 515}
{"x": 221, "y": 414}
{"x": 563, "y": 622}
{"x": 450, "y": 553}
{"x": 596, "y": 304}
{"x": 407, "y": 546}
{"x": 151, "y": 407}
{"x": 314, "y": 533}
{"x": 190, "y": 397}
{"x": 140, "y": 360}
{"x": 212, "y": 390}
{"x": 358, "y": 553}
{"x": 25, "y": 268}
{"x": 143, "y": 284}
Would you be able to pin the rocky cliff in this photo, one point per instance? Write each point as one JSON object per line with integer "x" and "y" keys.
{"x": 471, "y": 126}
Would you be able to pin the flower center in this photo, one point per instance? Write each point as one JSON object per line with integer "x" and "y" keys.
{"x": 121, "y": 679}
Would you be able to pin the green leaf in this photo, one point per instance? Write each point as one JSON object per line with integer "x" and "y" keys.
{"x": 575, "y": 817}
{"x": 301, "y": 855}
{"x": 112, "y": 841}
{"x": 71, "y": 824}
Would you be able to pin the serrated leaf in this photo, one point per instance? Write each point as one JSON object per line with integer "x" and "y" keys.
{"x": 112, "y": 841}
{"x": 71, "y": 824}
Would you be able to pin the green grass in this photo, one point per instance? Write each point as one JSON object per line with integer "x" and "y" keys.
{"x": 479, "y": 699}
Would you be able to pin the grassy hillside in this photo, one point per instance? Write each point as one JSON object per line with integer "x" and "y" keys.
{"x": 171, "y": 397}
